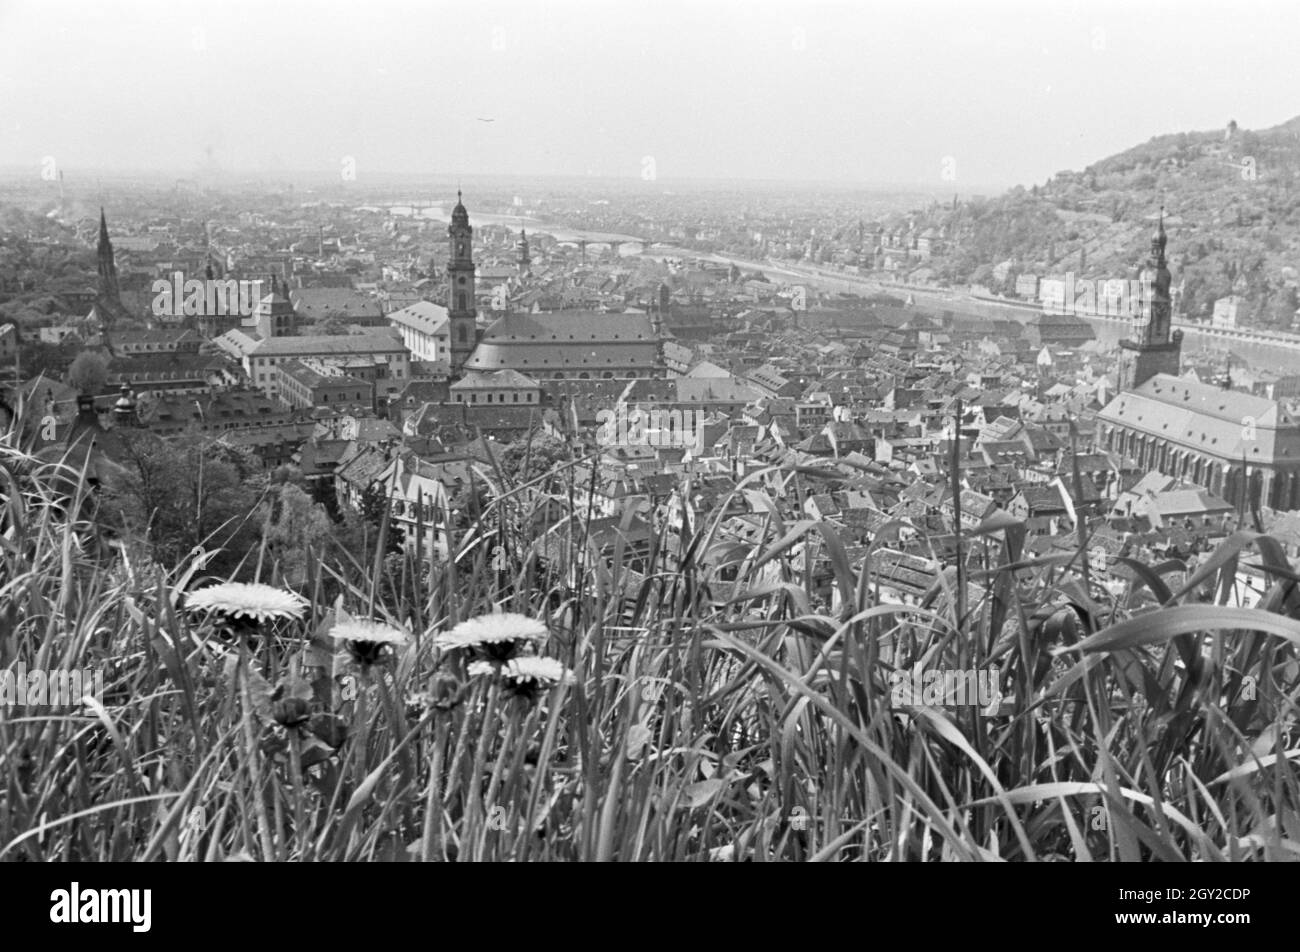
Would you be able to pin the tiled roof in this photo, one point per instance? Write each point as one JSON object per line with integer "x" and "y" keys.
{"x": 490, "y": 380}
{"x": 373, "y": 342}
{"x": 1221, "y": 423}
{"x": 318, "y": 303}
{"x": 423, "y": 316}
{"x": 567, "y": 341}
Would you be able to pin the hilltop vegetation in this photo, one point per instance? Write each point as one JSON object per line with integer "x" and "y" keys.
{"x": 1233, "y": 215}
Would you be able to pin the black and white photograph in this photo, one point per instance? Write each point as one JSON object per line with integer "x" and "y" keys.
{"x": 701, "y": 432}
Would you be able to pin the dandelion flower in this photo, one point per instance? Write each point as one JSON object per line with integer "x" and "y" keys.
{"x": 249, "y": 603}
{"x": 498, "y": 637}
{"x": 542, "y": 670}
{"x": 479, "y": 669}
{"x": 367, "y": 640}
{"x": 527, "y": 677}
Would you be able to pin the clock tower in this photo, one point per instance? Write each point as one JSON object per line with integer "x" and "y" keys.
{"x": 1154, "y": 347}
{"x": 461, "y": 314}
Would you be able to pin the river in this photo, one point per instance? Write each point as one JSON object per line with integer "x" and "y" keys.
{"x": 1257, "y": 355}
{"x": 515, "y": 223}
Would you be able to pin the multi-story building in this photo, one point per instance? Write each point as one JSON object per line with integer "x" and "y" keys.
{"x": 426, "y": 332}
{"x": 259, "y": 358}
{"x": 169, "y": 340}
{"x": 338, "y": 304}
{"x": 500, "y": 387}
{"x": 312, "y": 383}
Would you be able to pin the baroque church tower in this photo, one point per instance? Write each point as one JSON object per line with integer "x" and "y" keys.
{"x": 462, "y": 317}
{"x": 1153, "y": 348}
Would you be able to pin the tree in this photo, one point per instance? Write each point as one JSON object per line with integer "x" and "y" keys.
{"x": 89, "y": 372}
{"x": 299, "y": 530}
{"x": 52, "y": 360}
{"x": 184, "y": 493}
{"x": 545, "y": 454}
{"x": 374, "y": 502}
{"x": 1285, "y": 304}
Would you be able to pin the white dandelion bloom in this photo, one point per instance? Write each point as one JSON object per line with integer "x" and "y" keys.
{"x": 248, "y": 600}
{"x": 368, "y": 641}
{"x": 496, "y": 635}
{"x": 481, "y": 669}
{"x": 368, "y": 632}
{"x": 542, "y": 672}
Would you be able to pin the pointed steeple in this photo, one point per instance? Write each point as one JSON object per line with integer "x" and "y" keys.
{"x": 1159, "y": 239}
{"x": 108, "y": 300}
{"x": 104, "y": 255}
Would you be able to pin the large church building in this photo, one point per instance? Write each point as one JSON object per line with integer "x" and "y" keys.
{"x": 1228, "y": 442}
{"x": 575, "y": 345}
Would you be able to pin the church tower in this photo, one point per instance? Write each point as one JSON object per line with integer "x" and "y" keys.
{"x": 108, "y": 287}
{"x": 108, "y": 310}
{"x": 461, "y": 314}
{"x": 1153, "y": 348}
{"x": 521, "y": 249}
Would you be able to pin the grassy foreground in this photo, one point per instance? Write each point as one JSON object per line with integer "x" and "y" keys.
{"x": 705, "y": 719}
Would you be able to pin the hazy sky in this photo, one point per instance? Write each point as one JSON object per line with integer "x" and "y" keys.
{"x": 864, "y": 92}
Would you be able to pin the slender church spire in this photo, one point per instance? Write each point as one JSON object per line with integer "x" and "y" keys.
{"x": 108, "y": 297}
{"x": 107, "y": 266}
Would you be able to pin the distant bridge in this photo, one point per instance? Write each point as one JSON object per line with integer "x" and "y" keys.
{"x": 565, "y": 236}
